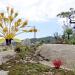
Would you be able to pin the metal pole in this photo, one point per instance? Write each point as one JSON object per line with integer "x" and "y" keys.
{"x": 34, "y": 33}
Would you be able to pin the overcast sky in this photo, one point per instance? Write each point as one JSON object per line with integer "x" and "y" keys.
{"x": 41, "y": 13}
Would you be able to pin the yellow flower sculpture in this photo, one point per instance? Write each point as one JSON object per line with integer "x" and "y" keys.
{"x": 11, "y": 26}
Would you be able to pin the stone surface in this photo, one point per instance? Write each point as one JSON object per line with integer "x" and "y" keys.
{"x": 4, "y": 58}
{"x": 62, "y": 51}
{"x": 3, "y": 72}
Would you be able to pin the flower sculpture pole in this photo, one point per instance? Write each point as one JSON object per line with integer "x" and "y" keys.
{"x": 11, "y": 26}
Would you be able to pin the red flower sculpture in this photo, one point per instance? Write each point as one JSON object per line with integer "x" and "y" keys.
{"x": 57, "y": 63}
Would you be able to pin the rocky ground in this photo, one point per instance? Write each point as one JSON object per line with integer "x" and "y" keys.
{"x": 49, "y": 51}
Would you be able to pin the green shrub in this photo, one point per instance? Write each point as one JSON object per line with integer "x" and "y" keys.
{"x": 72, "y": 41}
{"x": 5, "y": 49}
{"x": 17, "y": 49}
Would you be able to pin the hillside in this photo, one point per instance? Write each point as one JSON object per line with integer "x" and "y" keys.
{"x": 48, "y": 39}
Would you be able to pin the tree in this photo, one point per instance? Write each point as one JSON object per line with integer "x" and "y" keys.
{"x": 70, "y": 16}
{"x": 66, "y": 14}
{"x": 11, "y": 26}
{"x": 63, "y": 14}
{"x": 68, "y": 31}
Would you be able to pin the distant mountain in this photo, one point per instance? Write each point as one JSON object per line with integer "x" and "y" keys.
{"x": 48, "y": 39}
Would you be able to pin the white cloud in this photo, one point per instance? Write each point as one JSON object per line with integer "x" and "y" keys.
{"x": 40, "y": 10}
{"x": 2, "y": 6}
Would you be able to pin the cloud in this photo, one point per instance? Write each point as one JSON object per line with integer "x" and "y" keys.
{"x": 2, "y": 6}
{"x": 40, "y": 10}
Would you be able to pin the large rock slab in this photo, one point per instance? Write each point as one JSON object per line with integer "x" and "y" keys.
{"x": 59, "y": 51}
{"x": 3, "y": 72}
{"x": 6, "y": 55}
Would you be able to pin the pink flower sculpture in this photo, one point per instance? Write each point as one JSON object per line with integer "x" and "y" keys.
{"x": 57, "y": 63}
